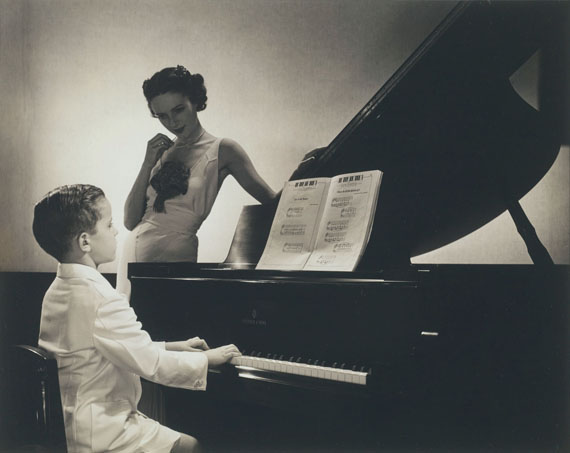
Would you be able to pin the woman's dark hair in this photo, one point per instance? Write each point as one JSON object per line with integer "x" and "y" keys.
{"x": 178, "y": 80}
{"x": 63, "y": 214}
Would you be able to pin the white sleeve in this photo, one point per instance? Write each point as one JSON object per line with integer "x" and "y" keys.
{"x": 119, "y": 337}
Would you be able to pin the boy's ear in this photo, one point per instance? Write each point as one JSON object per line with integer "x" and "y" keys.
{"x": 84, "y": 242}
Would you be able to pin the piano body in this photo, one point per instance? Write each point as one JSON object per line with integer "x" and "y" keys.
{"x": 397, "y": 356}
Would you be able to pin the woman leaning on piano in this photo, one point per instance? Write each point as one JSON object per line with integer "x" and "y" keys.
{"x": 179, "y": 180}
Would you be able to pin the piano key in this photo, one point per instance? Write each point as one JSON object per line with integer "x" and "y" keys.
{"x": 303, "y": 369}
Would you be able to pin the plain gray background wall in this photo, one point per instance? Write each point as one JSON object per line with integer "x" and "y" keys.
{"x": 283, "y": 77}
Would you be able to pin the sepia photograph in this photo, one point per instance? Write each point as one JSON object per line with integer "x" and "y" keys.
{"x": 284, "y": 226}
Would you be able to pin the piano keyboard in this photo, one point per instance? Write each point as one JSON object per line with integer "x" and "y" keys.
{"x": 313, "y": 370}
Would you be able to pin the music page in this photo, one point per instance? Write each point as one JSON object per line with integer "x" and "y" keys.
{"x": 294, "y": 227}
{"x": 346, "y": 222}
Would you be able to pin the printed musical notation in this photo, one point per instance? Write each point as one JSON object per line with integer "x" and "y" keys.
{"x": 322, "y": 223}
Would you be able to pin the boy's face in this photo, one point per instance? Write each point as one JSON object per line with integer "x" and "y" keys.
{"x": 103, "y": 242}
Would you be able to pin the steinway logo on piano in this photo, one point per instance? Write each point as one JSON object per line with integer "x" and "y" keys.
{"x": 253, "y": 320}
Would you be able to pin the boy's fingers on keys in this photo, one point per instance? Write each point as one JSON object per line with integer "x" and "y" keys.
{"x": 233, "y": 350}
{"x": 198, "y": 342}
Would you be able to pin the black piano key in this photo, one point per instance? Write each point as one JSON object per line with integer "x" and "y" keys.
{"x": 354, "y": 366}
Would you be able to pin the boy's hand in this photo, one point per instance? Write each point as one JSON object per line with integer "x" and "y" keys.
{"x": 155, "y": 148}
{"x": 195, "y": 344}
{"x": 221, "y": 355}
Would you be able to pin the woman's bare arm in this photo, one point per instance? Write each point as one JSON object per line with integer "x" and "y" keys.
{"x": 136, "y": 201}
{"x": 235, "y": 161}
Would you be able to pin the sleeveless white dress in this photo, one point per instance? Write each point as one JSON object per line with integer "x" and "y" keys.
{"x": 171, "y": 235}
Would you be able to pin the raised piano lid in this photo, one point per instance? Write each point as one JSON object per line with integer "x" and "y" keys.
{"x": 456, "y": 143}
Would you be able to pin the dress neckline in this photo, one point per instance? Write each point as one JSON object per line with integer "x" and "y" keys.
{"x": 199, "y": 159}
{"x": 182, "y": 144}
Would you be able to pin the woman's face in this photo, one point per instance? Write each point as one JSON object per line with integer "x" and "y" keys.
{"x": 176, "y": 113}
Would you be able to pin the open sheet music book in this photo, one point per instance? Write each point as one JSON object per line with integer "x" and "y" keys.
{"x": 322, "y": 223}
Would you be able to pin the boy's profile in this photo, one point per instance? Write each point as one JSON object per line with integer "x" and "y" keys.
{"x": 100, "y": 347}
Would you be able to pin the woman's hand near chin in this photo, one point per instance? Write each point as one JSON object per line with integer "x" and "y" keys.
{"x": 155, "y": 148}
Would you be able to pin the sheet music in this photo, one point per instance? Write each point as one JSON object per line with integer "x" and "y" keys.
{"x": 294, "y": 227}
{"x": 346, "y": 221}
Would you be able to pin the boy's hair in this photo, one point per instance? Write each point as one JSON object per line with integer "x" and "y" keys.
{"x": 63, "y": 214}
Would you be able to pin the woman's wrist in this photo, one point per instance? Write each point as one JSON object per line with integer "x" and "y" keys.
{"x": 148, "y": 166}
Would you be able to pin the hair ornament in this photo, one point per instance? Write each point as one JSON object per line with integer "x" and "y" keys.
{"x": 181, "y": 71}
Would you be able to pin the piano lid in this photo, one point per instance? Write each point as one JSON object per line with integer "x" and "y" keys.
{"x": 456, "y": 143}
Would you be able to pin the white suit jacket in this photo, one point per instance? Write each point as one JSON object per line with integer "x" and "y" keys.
{"x": 101, "y": 351}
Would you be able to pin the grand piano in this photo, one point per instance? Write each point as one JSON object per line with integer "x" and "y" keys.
{"x": 395, "y": 356}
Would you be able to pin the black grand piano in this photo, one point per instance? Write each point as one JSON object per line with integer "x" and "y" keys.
{"x": 394, "y": 356}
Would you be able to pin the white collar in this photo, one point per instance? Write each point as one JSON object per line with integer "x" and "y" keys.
{"x": 75, "y": 270}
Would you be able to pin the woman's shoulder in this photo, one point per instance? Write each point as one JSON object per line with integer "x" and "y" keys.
{"x": 229, "y": 145}
{"x": 230, "y": 150}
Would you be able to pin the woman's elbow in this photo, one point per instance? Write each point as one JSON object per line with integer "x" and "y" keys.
{"x": 268, "y": 197}
{"x": 130, "y": 223}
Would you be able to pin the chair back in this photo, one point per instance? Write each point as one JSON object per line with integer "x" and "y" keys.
{"x": 34, "y": 399}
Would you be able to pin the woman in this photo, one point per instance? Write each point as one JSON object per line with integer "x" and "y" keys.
{"x": 178, "y": 181}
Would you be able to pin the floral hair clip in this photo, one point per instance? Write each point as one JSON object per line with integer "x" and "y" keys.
{"x": 181, "y": 71}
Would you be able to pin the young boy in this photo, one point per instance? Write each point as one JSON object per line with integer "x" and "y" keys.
{"x": 100, "y": 347}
